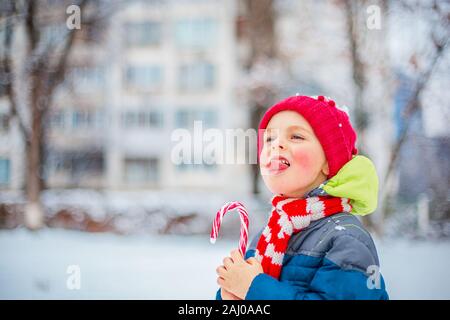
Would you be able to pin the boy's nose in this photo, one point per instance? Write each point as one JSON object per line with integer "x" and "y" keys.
{"x": 278, "y": 145}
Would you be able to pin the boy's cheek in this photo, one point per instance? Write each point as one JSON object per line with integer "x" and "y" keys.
{"x": 303, "y": 158}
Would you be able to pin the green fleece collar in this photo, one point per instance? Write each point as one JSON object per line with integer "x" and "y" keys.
{"x": 357, "y": 180}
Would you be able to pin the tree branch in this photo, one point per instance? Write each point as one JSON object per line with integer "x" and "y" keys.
{"x": 30, "y": 25}
{"x": 412, "y": 106}
{"x": 57, "y": 76}
{"x": 7, "y": 63}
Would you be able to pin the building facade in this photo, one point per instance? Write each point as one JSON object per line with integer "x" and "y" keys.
{"x": 157, "y": 66}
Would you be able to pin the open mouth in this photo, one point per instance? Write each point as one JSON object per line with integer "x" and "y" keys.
{"x": 278, "y": 164}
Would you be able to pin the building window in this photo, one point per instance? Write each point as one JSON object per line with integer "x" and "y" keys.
{"x": 82, "y": 120}
{"x": 196, "y": 167}
{"x": 196, "y": 33}
{"x": 77, "y": 164}
{"x": 155, "y": 119}
{"x": 88, "y": 78}
{"x": 145, "y": 78}
{"x": 143, "y": 34}
{"x": 4, "y": 171}
{"x": 141, "y": 171}
{"x": 142, "y": 119}
{"x": 196, "y": 76}
{"x": 78, "y": 119}
{"x": 184, "y": 118}
{"x": 58, "y": 120}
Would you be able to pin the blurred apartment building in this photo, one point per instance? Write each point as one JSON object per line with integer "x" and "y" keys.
{"x": 157, "y": 66}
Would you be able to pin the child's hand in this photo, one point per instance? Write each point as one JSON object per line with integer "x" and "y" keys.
{"x": 226, "y": 295}
{"x": 237, "y": 274}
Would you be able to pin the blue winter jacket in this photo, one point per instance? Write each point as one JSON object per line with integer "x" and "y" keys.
{"x": 333, "y": 258}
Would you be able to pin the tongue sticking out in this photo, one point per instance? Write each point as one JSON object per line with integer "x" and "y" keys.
{"x": 278, "y": 165}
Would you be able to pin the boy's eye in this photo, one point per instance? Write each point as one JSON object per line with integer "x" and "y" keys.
{"x": 297, "y": 137}
{"x": 268, "y": 139}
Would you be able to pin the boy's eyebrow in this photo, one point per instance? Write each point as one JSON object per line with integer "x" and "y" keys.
{"x": 299, "y": 128}
{"x": 290, "y": 128}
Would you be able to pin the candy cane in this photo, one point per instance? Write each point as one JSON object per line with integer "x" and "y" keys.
{"x": 244, "y": 224}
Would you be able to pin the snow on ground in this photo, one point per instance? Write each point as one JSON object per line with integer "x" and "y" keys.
{"x": 35, "y": 265}
{"x": 415, "y": 269}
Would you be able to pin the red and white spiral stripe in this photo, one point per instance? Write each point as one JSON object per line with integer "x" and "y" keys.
{"x": 244, "y": 224}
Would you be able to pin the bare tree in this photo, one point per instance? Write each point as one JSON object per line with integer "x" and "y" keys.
{"x": 437, "y": 14}
{"x": 372, "y": 80}
{"x": 353, "y": 10}
{"x": 362, "y": 60}
{"x": 43, "y": 69}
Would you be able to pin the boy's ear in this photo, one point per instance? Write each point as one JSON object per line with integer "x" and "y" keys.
{"x": 325, "y": 169}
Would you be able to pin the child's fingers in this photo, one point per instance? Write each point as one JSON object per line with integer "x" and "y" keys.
{"x": 220, "y": 281}
{"x": 227, "y": 262}
{"x": 221, "y": 271}
{"x": 252, "y": 261}
{"x": 236, "y": 256}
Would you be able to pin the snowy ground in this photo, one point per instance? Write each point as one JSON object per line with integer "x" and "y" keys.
{"x": 35, "y": 265}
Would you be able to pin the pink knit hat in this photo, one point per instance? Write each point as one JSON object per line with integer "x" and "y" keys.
{"x": 331, "y": 125}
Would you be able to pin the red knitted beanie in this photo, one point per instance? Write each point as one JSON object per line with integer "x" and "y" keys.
{"x": 331, "y": 125}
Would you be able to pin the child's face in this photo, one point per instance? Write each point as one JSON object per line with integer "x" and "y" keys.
{"x": 292, "y": 161}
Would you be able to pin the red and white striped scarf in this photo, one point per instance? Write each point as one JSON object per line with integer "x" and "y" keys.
{"x": 289, "y": 216}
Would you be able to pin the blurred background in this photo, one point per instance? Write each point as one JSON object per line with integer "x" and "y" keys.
{"x": 92, "y": 204}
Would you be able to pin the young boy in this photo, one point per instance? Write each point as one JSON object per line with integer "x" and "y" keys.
{"x": 313, "y": 246}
